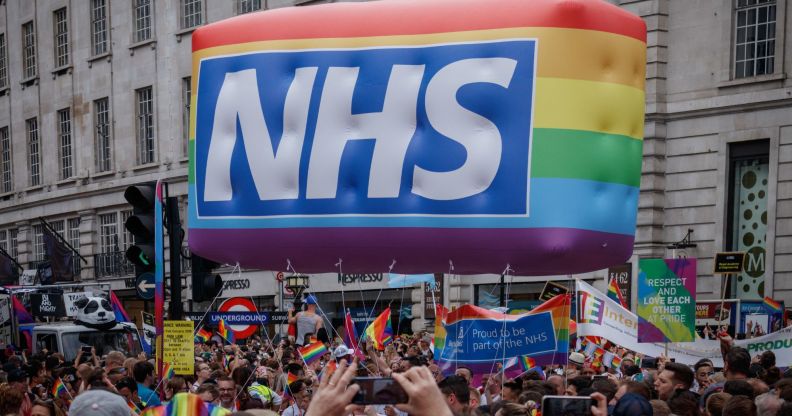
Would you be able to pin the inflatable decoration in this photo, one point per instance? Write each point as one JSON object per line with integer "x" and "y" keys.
{"x": 485, "y": 133}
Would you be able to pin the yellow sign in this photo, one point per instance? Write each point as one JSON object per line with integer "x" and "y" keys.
{"x": 178, "y": 347}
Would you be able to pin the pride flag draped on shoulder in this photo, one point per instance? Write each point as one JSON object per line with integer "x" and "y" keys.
{"x": 485, "y": 340}
{"x": 380, "y": 332}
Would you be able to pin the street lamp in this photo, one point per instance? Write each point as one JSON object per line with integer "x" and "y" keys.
{"x": 297, "y": 284}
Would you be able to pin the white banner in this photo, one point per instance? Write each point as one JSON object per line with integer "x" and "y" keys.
{"x": 69, "y": 299}
{"x": 601, "y": 316}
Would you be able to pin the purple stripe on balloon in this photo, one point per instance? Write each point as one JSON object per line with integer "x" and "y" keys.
{"x": 538, "y": 251}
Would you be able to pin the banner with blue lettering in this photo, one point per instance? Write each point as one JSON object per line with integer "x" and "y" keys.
{"x": 488, "y": 342}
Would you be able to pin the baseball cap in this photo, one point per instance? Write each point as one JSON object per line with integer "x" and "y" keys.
{"x": 310, "y": 300}
{"x": 99, "y": 403}
{"x": 342, "y": 351}
{"x": 577, "y": 358}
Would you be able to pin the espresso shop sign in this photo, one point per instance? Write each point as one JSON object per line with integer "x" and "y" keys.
{"x": 347, "y": 279}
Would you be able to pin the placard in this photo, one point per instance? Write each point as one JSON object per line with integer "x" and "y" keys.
{"x": 551, "y": 290}
{"x": 623, "y": 275}
{"x": 178, "y": 347}
{"x": 69, "y": 299}
{"x": 729, "y": 262}
{"x": 667, "y": 300}
{"x": 44, "y": 304}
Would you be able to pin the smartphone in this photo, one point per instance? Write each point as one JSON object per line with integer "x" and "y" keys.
{"x": 599, "y": 377}
{"x": 86, "y": 349}
{"x": 378, "y": 390}
{"x": 649, "y": 363}
{"x": 566, "y": 406}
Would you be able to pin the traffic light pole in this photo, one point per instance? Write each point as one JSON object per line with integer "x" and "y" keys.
{"x": 176, "y": 309}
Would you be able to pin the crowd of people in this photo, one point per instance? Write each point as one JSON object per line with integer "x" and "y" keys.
{"x": 263, "y": 377}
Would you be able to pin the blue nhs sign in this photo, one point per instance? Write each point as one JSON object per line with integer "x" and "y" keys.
{"x": 432, "y": 130}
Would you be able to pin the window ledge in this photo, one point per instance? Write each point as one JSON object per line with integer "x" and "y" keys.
{"x": 185, "y": 31}
{"x": 99, "y": 175}
{"x": 145, "y": 167}
{"x": 33, "y": 188}
{"x": 68, "y": 181}
{"x": 61, "y": 70}
{"x": 108, "y": 55}
{"x": 151, "y": 42}
{"x": 752, "y": 80}
{"x": 26, "y": 82}
{"x": 184, "y": 160}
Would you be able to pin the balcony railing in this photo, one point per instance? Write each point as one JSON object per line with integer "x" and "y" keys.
{"x": 113, "y": 264}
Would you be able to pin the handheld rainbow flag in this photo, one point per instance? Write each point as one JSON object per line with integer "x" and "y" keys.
{"x": 225, "y": 331}
{"x": 291, "y": 378}
{"x": 59, "y": 388}
{"x": 615, "y": 293}
{"x": 527, "y": 362}
{"x": 773, "y": 305}
{"x": 186, "y": 404}
{"x": 440, "y": 333}
{"x": 203, "y": 335}
{"x": 312, "y": 352}
{"x": 167, "y": 371}
{"x": 226, "y": 362}
{"x": 616, "y": 362}
{"x": 380, "y": 331}
{"x": 133, "y": 408}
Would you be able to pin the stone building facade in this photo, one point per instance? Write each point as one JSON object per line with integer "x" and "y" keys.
{"x": 94, "y": 96}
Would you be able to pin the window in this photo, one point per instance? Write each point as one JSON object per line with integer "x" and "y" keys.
{"x": 145, "y": 125}
{"x": 28, "y": 51}
{"x": 142, "y": 15}
{"x": 34, "y": 151}
{"x": 755, "y": 38}
{"x": 102, "y": 122}
{"x": 38, "y": 242}
{"x": 60, "y": 20}
{"x": 247, "y": 6}
{"x": 108, "y": 233}
{"x": 747, "y": 220}
{"x": 3, "y": 62}
{"x": 65, "y": 142}
{"x": 99, "y": 44}
{"x": 7, "y": 184}
{"x": 186, "y": 96}
{"x": 127, "y": 238}
{"x": 8, "y": 241}
{"x": 190, "y": 13}
{"x": 73, "y": 232}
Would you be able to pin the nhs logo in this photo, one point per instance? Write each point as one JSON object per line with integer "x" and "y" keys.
{"x": 433, "y": 130}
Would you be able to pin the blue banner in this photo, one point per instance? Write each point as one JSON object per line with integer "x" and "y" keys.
{"x": 486, "y": 339}
{"x": 240, "y": 318}
{"x": 407, "y": 280}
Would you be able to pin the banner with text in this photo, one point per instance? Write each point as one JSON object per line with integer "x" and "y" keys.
{"x": 667, "y": 300}
{"x": 177, "y": 346}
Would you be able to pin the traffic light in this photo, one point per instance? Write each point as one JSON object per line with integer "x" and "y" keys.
{"x": 206, "y": 284}
{"x": 141, "y": 225}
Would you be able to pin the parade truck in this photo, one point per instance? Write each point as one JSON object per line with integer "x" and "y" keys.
{"x": 66, "y": 319}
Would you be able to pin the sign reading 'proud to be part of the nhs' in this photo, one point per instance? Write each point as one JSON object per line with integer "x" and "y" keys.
{"x": 397, "y": 131}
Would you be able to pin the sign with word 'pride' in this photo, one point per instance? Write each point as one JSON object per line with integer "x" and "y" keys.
{"x": 667, "y": 300}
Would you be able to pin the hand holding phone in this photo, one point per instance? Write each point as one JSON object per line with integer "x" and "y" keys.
{"x": 566, "y": 406}
{"x": 378, "y": 390}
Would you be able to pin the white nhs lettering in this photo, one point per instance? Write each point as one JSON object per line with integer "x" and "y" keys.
{"x": 276, "y": 175}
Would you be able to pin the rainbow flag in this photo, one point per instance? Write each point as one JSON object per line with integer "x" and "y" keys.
{"x": 186, "y": 404}
{"x": 615, "y": 293}
{"x": 616, "y": 362}
{"x": 312, "y": 352}
{"x": 527, "y": 362}
{"x": 59, "y": 388}
{"x": 225, "y": 331}
{"x": 167, "y": 371}
{"x": 118, "y": 309}
{"x": 440, "y": 333}
{"x": 380, "y": 331}
{"x": 773, "y": 305}
{"x": 133, "y": 408}
{"x": 226, "y": 362}
{"x": 203, "y": 335}
{"x": 291, "y": 378}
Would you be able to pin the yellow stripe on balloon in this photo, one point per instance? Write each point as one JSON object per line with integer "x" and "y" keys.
{"x": 586, "y": 105}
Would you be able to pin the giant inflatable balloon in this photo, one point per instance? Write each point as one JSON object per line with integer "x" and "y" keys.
{"x": 428, "y": 133}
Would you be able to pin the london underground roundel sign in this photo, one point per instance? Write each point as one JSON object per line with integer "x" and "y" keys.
{"x": 239, "y": 305}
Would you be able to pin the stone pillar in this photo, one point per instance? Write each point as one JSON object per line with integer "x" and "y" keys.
{"x": 24, "y": 243}
{"x": 88, "y": 242}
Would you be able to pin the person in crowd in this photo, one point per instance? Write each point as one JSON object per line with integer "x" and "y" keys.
{"x": 739, "y": 406}
{"x": 715, "y": 403}
{"x": 228, "y": 393}
{"x": 127, "y": 387}
{"x": 308, "y": 322}
{"x": 455, "y": 391}
{"x": 674, "y": 377}
{"x": 144, "y": 376}
{"x": 208, "y": 393}
{"x": 704, "y": 371}
{"x": 203, "y": 372}
{"x": 174, "y": 386}
{"x": 301, "y": 397}
{"x": 465, "y": 373}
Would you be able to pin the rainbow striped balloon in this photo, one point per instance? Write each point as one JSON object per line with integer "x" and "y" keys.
{"x": 570, "y": 117}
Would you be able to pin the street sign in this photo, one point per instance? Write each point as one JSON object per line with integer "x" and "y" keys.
{"x": 145, "y": 286}
{"x": 239, "y": 305}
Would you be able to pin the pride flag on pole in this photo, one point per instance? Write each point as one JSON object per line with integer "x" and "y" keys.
{"x": 118, "y": 309}
{"x": 615, "y": 293}
{"x": 380, "y": 331}
{"x": 225, "y": 331}
{"x": 312, "y": 352}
